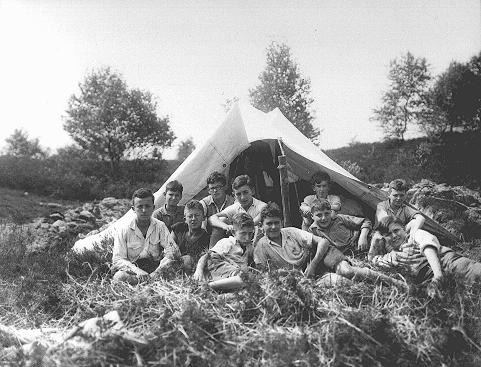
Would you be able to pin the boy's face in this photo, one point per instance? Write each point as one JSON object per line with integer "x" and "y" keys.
{"x": 272, "y": 227}
{"x": 143, "y": 209}
{"x": 322, "y": 217}
{"x": 244, "y": 235}
{"x": 396, "y": 198}
{"x": 321, "y": 189}
{"x": 244, "y": 196}
{"x": 398, "y": 234}
{"x": 217, "y": 190}
{"x": 172, "y": 198}
{"x": 193, "y": 218}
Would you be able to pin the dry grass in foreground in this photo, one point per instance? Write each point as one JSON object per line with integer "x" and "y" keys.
{"x": 279, "y": 319}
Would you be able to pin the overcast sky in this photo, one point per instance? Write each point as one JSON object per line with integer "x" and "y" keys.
{"x": 193, "y": 55}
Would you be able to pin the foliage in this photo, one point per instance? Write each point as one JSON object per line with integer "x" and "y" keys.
{"x": 406, "y": 100}
{"x": 457, "y": 95}
{"x": 283, "y": 86}
{"x": 107, "y": 118}
{"x": 81, "y": 179}
{"x": 450, "y": 159}
{"x": 186, "y": 147}
{"x": 352, "y": 167}
{"x": 19, "y": 145}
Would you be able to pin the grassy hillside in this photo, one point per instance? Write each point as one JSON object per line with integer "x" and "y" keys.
{"x": 454, "y": 159}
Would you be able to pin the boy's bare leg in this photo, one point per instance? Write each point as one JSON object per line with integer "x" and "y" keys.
{"x": 354, "y": 272}
{"x": 227, "y": 284}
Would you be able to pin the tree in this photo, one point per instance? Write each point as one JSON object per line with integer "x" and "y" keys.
{"x": 186, "y": 147}
{"x": 457, "y": 94}
{"x": 282, "y": 85}
{"x": 406, "y": 100}
{"x": 108, "y": 118}
{"x": 19, "y": 145}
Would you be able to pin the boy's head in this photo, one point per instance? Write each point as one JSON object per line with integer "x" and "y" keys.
{"x": 243, "y": 228}
{"x": 322, "y": 213}
{"x": 397, "y": 192}
{"x": 216, "y": 183}
{"x": 243, "y": 190}
{"x": 173, "y": 193}
{"x": 143, "y": 204}
{"x": 194, "y": 214}
{"x": 321, "y": 182}
{"x": 271, "y": 219}
{"x": 393, "y": 228}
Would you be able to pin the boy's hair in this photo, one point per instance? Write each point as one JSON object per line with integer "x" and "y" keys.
{"x": 385, "y": 222}
{"x": 320, "y": 205}
{"x": 271, "y": 210}
{"x": 216, "y": 177}
{"x": 320, "y": 176}
{"x": 142, "y": 193}
{"x": 194, "y": 204}
{"x": 242, "y": 220}
{"x": 398, "y": 184}
{"x": 174, "y": 186}
{"x": 242, "y": 180}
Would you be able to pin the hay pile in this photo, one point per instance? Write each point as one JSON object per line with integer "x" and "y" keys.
{"x": 279, "y": 319}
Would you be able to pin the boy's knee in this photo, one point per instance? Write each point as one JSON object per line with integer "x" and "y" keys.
{"x": 123, "y": 276}
{"x": 345, "y": 269}
{"x": 187, "y": 263}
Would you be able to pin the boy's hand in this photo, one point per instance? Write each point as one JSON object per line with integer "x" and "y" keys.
{"x": 141, "y": 274}
{"x": 229, "y": 229}
{"x": 199, "y": 276}
{"x": 362, "y": 244}
{"x": 306, "y": 212}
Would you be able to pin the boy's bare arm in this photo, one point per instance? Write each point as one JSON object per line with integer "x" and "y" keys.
{"x": 215, "y": 221}
{"x": 363, "y": 243}
{"x": 432, "y": 256}
{"x": 199, "y": 274}
{"x": 322, "y": 247}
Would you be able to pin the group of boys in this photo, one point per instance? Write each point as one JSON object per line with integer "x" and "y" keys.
{"x": 220, "y": 236}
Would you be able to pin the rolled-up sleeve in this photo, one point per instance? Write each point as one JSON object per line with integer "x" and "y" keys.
{"x": 120, "y": 260}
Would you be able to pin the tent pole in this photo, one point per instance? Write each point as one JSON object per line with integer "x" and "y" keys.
{"x": 284, "y": 184}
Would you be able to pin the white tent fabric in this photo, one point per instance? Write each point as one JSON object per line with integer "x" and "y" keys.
{"x": 242, "y": 126}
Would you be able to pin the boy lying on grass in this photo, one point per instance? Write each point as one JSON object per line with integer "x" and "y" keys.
{"x": 346, "y": 233}
{"x": 229, "y": 257}
{"x": 171, "y": 212}
{"x": 396, "y": 207}
{"x": 143, "y": 247}
{"x": 320, "y": 183}
{"x": 293, "y": 248}
{"x": 424, "y": 257}
{"x": 190, "y": 237}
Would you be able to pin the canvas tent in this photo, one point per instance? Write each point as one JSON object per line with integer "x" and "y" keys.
{"x": 249, "y": 141}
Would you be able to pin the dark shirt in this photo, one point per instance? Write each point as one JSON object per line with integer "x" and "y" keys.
{"x": 193, "y": 245}
{"x": 169, "y": 218}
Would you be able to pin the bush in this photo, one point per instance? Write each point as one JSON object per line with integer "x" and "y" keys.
{"x": 81, "y": 179}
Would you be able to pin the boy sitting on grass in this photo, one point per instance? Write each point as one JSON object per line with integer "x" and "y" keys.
{"x": 243, "y": 190}
{"x": 424, "y": 257}
{"x": 321, "y": 183}
{"x": 171, "y": 213}
{"x": 143, "y": 247}
{"x": 293, "y": 248}
{"x": 217, "y": 201}
{"x": 190, "y": 237}
{"x": 224, "y": 263}
{"x": 344, "y": 231}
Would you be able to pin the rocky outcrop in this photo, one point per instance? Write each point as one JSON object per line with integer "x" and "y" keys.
{"x": 456, "y": 208}
{"x": 60, "y": 227}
